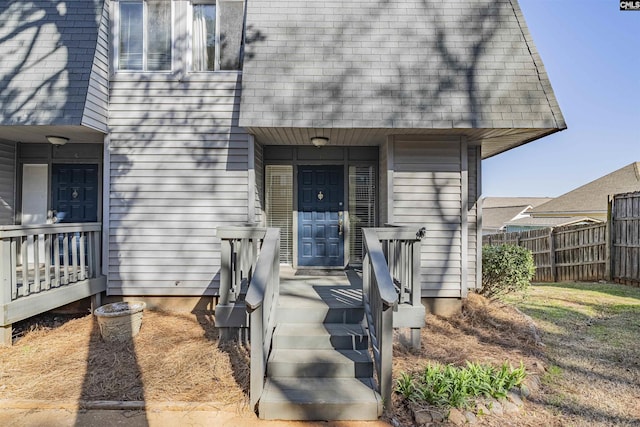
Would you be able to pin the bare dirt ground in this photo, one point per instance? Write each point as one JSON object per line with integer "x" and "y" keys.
{"x": 588, "y": 366}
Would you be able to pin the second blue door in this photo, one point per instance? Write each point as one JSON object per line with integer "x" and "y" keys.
{"x": 75, "y": 192}
{"x": 320, "y": 216}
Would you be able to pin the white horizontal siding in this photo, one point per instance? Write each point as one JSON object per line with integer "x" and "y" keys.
{"x": 383, "y": 184}
{"x": 7, "y": 182}
{"x": 96, "y": 107}
{"x": 472, "y": 216}
{"x": 427, "y": 192}
{"x": 259, "y": 184}
{"x": 178, "y": 171}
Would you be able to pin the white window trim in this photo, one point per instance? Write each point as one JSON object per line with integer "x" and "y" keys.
{"x": 216, "y": 60}
{"x": 189, "y": 54}
{"x": 116, "y": 40}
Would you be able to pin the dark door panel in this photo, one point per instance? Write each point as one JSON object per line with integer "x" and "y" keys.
{"x": 320, "y": 216}
{"x": 75, "y": 192}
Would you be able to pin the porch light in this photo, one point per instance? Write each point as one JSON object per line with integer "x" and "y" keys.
{"x": 57, "y": 140}
{"x": 319, "y": 141}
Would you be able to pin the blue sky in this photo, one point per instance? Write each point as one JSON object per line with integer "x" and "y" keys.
{"x": 591, "y": 51}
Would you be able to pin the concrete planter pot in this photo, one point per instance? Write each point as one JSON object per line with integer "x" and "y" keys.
{"x": 120, "y": 321}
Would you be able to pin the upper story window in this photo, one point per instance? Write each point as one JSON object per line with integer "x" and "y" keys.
{"x": 144, "y": 39}
{"x": 203, "y": 37}
{"x": 216, "y": 35}
{"x": 178, "y": 36}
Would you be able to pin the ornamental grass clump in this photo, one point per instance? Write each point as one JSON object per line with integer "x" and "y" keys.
{"x": 447, "y": 385}
{"x": 505, "y": 269}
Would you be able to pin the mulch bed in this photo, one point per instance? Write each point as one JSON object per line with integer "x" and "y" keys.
{"x": 175, "y": 357}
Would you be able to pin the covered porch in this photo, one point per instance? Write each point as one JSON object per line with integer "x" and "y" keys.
{"x": 50, "y": 220}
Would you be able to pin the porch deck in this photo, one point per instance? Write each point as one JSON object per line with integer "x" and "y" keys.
{"x": 334, "y": 289}
{"x": 331, "y": 288}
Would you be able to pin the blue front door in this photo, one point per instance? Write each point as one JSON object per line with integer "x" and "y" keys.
{"x": 320, "y": 216}
{"x": 75, "y": 192}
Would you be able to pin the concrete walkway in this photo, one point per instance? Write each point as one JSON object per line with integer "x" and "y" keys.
{"x": 153, "y": 417}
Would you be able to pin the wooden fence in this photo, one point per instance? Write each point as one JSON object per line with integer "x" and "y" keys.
{"x": 625, "y": 238}
{"x": 577, "y": 252}
{"x": 591, "y": 252}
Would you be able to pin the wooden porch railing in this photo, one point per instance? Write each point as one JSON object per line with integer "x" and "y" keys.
{"x": 380, "y": 297}
{"x": 390, "y": 281}
{"x": 250, "y": 283}
{"x": 46, "y": 266}
{"x": 401, "y": 247}
{"x": 239, "y": 255}
{"x": 261, "y": 301}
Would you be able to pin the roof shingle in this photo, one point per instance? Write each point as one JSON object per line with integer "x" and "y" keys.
{"x": 393, "y": 64}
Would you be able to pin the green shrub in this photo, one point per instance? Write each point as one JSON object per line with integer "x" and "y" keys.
{"x": 505, "y": 268}
{"x": 451, "y": 386}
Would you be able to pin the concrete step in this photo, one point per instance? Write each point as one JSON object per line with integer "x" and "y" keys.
{"x": 320, "y": 399}
{"x": 319, "y": 363}
{"x": 320, "y": 336}
{"x": 319, "y": 304}
{"x": 319, "y": 314}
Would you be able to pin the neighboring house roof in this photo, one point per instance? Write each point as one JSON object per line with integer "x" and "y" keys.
{"x": 495, "y": 218}
{"x": 503, "y": 202}
{"x": 496, "y": 211}
{"x": 47, "y": 50}
{"x": 549, "y": 221}
{"x": 357, "y": 72}
{"x": 592, "y": 198}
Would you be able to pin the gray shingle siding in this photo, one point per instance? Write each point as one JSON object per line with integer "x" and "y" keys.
{"x": 400, "y": 64}
{"x": 96, "y": 107}
{"x": 47, "y": 55}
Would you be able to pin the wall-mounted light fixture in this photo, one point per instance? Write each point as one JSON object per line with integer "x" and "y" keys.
{"x": 57, "y": 140}
{"x": 319, "y": 141}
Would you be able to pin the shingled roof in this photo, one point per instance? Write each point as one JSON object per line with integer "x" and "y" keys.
{"x": 497, "y": 211}
{"x": 402, "y": 66}
{"x": 47, "y": 50}
{"x": 592, "y": 198}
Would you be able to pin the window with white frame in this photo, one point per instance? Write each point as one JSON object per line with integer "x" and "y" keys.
{"x": 144, "y": 36}
{"x": 203, "y": 37}
{"x": 216, "y": 35}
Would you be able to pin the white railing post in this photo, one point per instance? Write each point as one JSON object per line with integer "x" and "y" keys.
{"x": 258, "y": 369}
{"x": 6, "y": 287}
{"x": 386, "y": 353}
{"x": 225, "y": 271}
